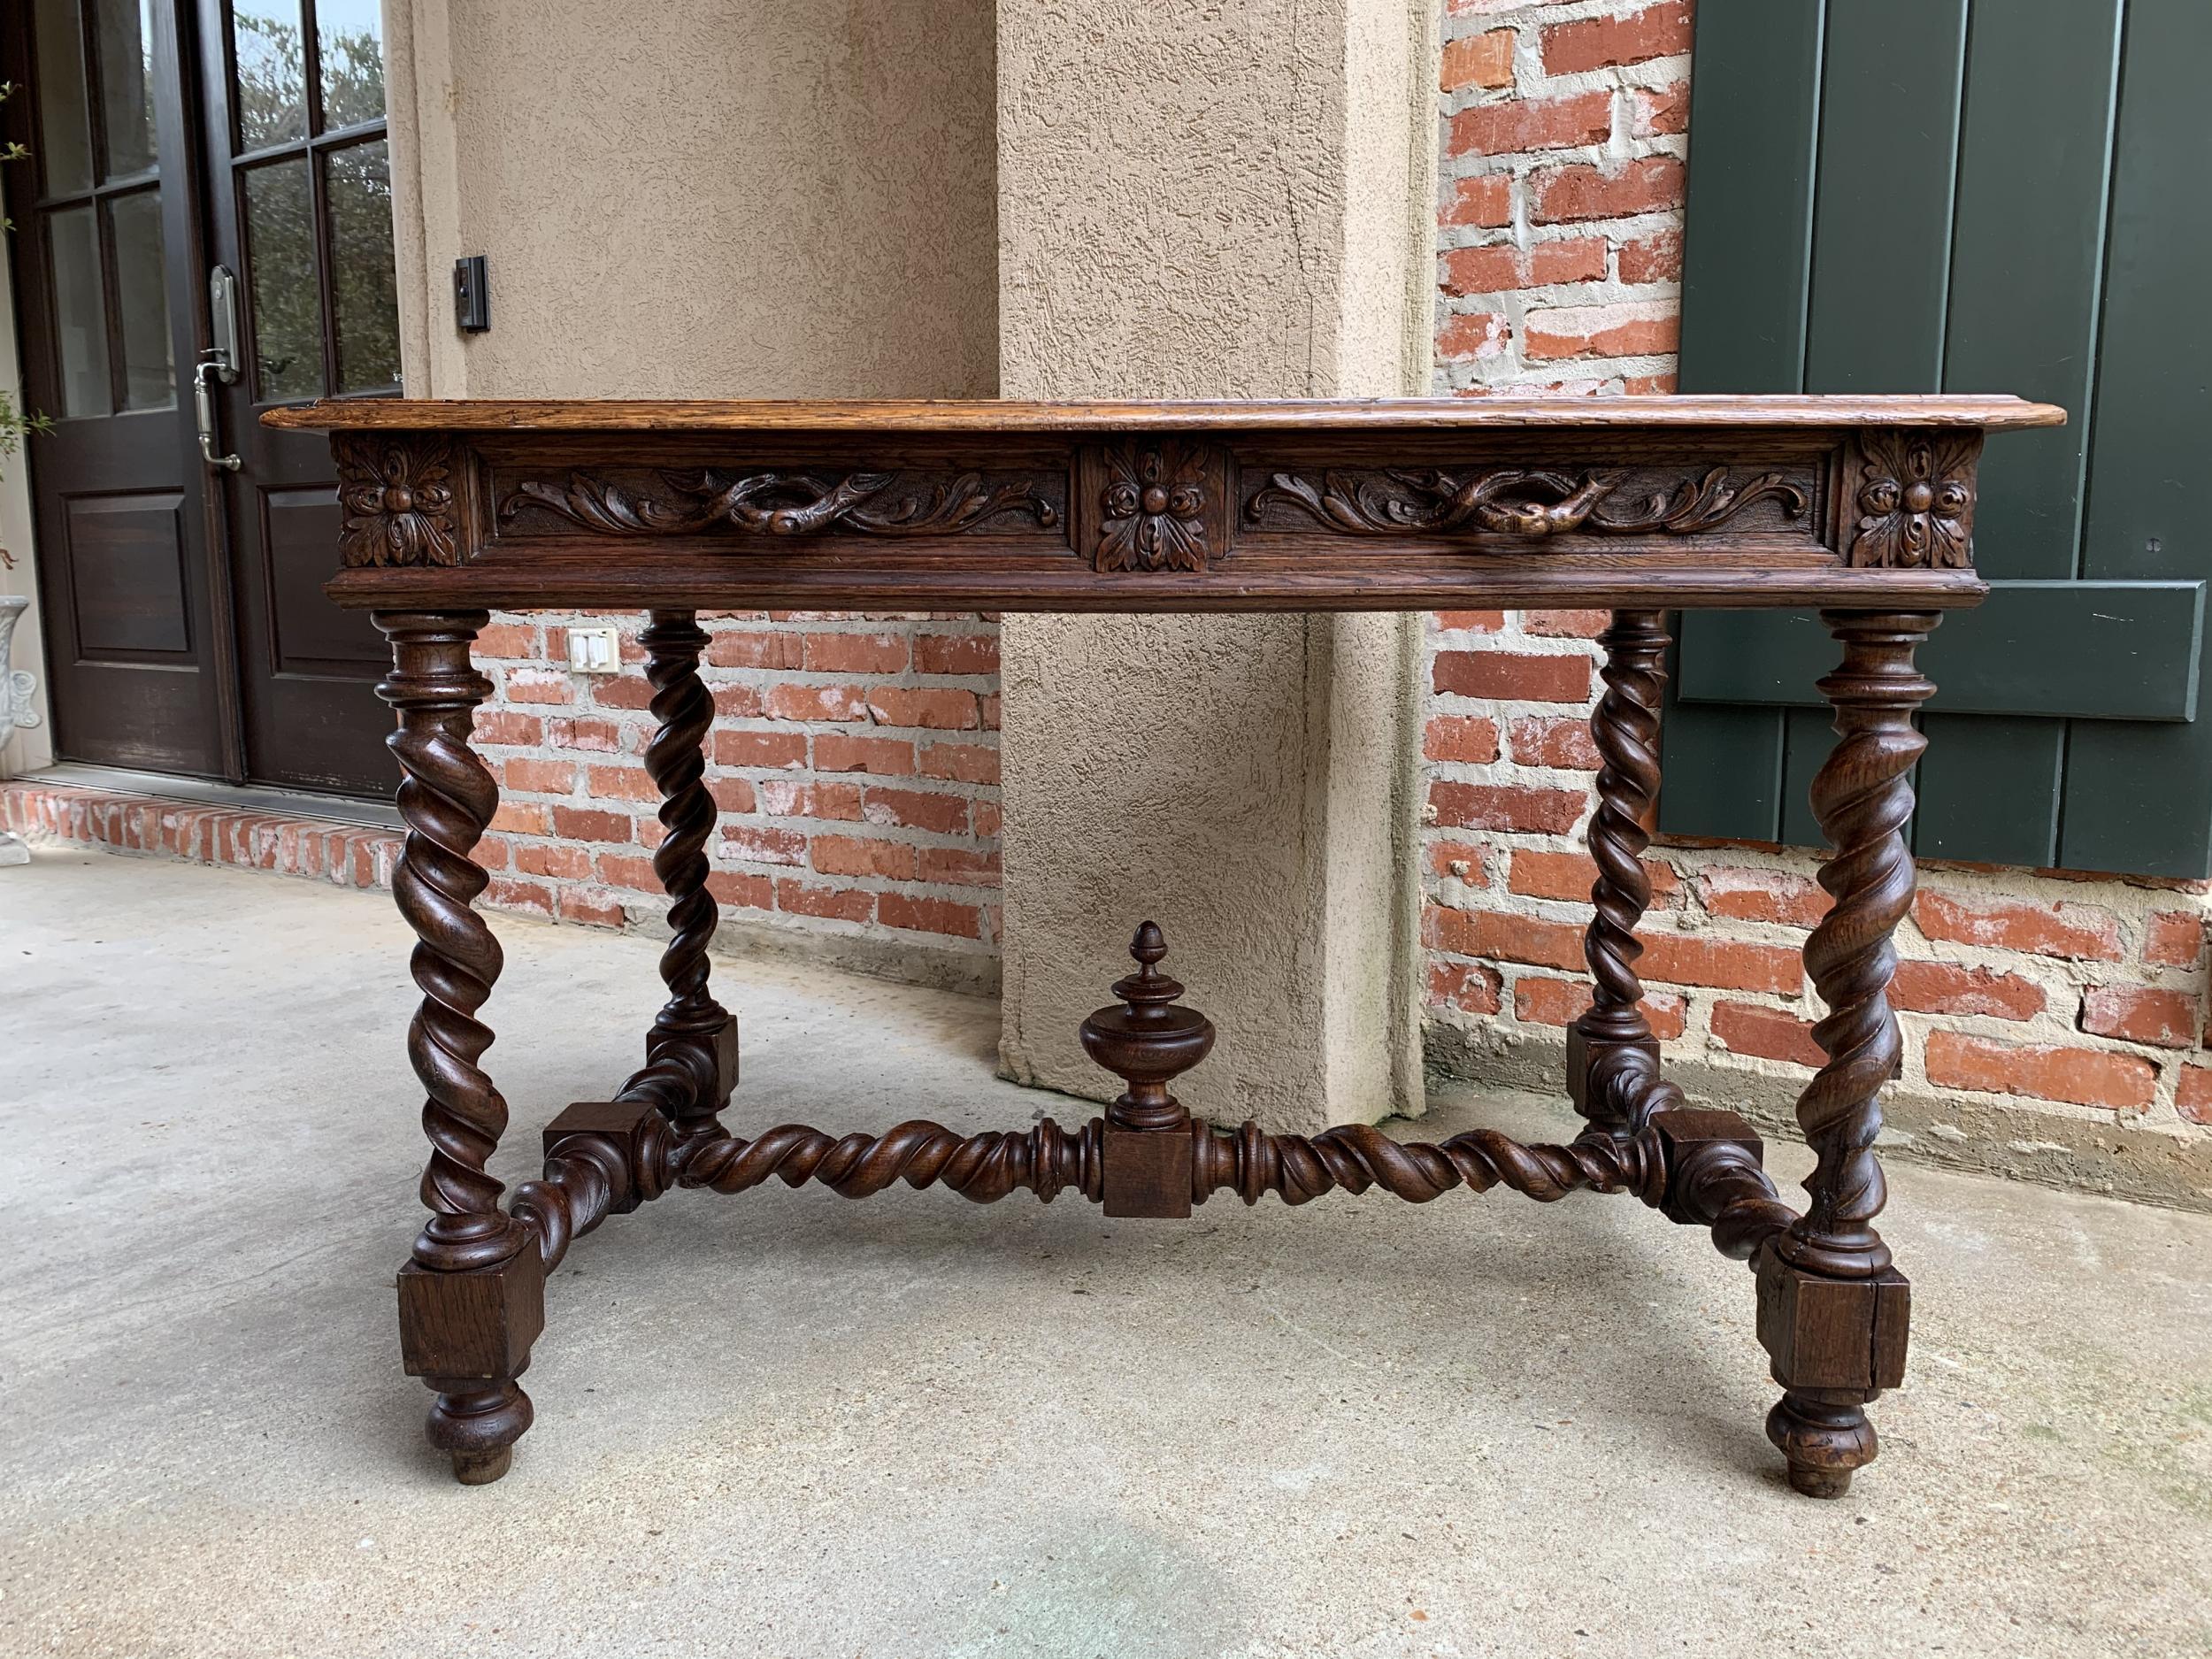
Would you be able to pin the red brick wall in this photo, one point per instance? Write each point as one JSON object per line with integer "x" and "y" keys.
{"x": 855, "y": 760}
{"x": 1560, "y": 224}
{"x": 2062, "y": 999}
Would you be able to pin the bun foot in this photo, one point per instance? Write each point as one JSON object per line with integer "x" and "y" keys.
{"x": 1826, "y": 1441}
{"x": 480, "y": 1469}
{"x": 480, "y": 1428}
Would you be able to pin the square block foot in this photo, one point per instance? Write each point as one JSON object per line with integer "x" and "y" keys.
{"x": 478, "y": 1324}
{"x": 1846, "y": 1334}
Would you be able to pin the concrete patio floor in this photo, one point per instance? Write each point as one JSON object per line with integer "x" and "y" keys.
{"x": 784, "y": 1423}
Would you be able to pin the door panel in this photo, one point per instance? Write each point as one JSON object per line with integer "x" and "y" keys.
{"x": 311, "y": 635}
{"x": 128, "y": 578}
{"x": 106, "y": 214}
{"x": 301, "y": 210}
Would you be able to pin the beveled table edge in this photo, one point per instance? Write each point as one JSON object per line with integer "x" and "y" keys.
{"x": 987, "y": 415}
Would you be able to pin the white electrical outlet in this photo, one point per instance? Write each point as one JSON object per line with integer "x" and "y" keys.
{"x": 594, "y": 651}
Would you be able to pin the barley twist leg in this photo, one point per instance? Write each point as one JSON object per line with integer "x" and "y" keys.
{"x": 1826, "y": 1285}
{"x": 467, "y": 1295}
{"x": 1612, "y": 1058}
{"x": 691, "y": 1052}
{"x": 446, "y": 798}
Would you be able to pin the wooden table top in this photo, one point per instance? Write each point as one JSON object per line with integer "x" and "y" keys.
{"x": 990, "y": 415}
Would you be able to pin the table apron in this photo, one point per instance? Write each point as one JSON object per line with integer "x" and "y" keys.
{"x": 1734, "y": 517}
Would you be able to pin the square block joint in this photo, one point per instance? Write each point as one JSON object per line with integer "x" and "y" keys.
{"x": 724, "y": 1042}
{"x": 1582, "y": 1054}
{"x": 720, "y": 1045}
{"x": 1147, "y": 1173}
{"x": 1682, "y": 1133}
{"x": 625, "y": 1123}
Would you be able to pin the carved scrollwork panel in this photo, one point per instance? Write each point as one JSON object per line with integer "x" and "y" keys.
{"x": 396, "y": 494}
{"x": 789, "y": 504}
{"x": 1909, "y": 499}
{"x": 1528, "y": 503}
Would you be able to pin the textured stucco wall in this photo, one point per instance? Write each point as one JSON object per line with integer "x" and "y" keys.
{"x": 1210, "y": 200}
{"x": 766, "y": 198}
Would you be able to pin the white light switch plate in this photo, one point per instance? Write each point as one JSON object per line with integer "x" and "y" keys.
{"x": 594, "y": 651}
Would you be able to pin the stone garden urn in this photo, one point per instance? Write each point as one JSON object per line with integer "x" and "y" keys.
{"x": 15, "y": 708}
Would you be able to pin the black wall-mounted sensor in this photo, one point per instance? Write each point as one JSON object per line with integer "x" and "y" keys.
{"x": 472, "y": 294}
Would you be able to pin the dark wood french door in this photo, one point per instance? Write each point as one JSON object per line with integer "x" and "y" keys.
{"x": 106, "y": 252}
{"x": 300, "y": 207}
{"x": 181, "y": 557}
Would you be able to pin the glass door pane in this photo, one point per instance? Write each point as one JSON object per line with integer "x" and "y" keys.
{"x": 349, "y": 46}
{"x": 80, "y": 323}
{"x": 305, "y": 84}
{"x": 269, "y": 82}
{"x": 126, "y": 48}
{"x": 142, "y": 305}
{"x": 363, "y": 285}
{"x": 65, "y": 131}
{"x": 287, "y": 308}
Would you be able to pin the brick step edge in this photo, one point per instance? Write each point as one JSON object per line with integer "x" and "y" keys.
{"x": 344, "y": 855}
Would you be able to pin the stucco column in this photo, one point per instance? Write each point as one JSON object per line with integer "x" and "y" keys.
{"x": 1202, "y": 200}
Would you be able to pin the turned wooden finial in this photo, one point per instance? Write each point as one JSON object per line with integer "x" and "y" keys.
{"x": 1149, "y": 1039}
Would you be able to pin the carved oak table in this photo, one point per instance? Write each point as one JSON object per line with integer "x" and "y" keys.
{"x": 1863, "y": 507}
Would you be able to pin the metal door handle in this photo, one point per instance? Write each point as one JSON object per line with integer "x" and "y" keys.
{"x": 203, "y": 406}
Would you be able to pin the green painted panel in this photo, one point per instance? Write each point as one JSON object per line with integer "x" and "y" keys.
{"x": 1808, "y": 736}
{"x": 2089, "y": 650}
{"x": 2027, "y": 258}
{"x": 1721, "y": 772}
{"x": 1755, "y": 104}
{"x": 1892, "y": 75}
{"x": 2153, "y": 435}
{"x": 2026, "y": 273}
{"x": 1747, "y": 260}
{"x": 1916, "y": 195}
{"x": 2139, "y": 798}
{"x": 1988, "y": 790}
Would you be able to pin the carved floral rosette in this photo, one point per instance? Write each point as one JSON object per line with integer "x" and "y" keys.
{"x": 395, "y": 494}
{"x": 1154, "y": 507}
{"x": 1910, "y": 498}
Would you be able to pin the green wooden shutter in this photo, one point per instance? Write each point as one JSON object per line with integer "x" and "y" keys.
{"x": 1973, "y": 195}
